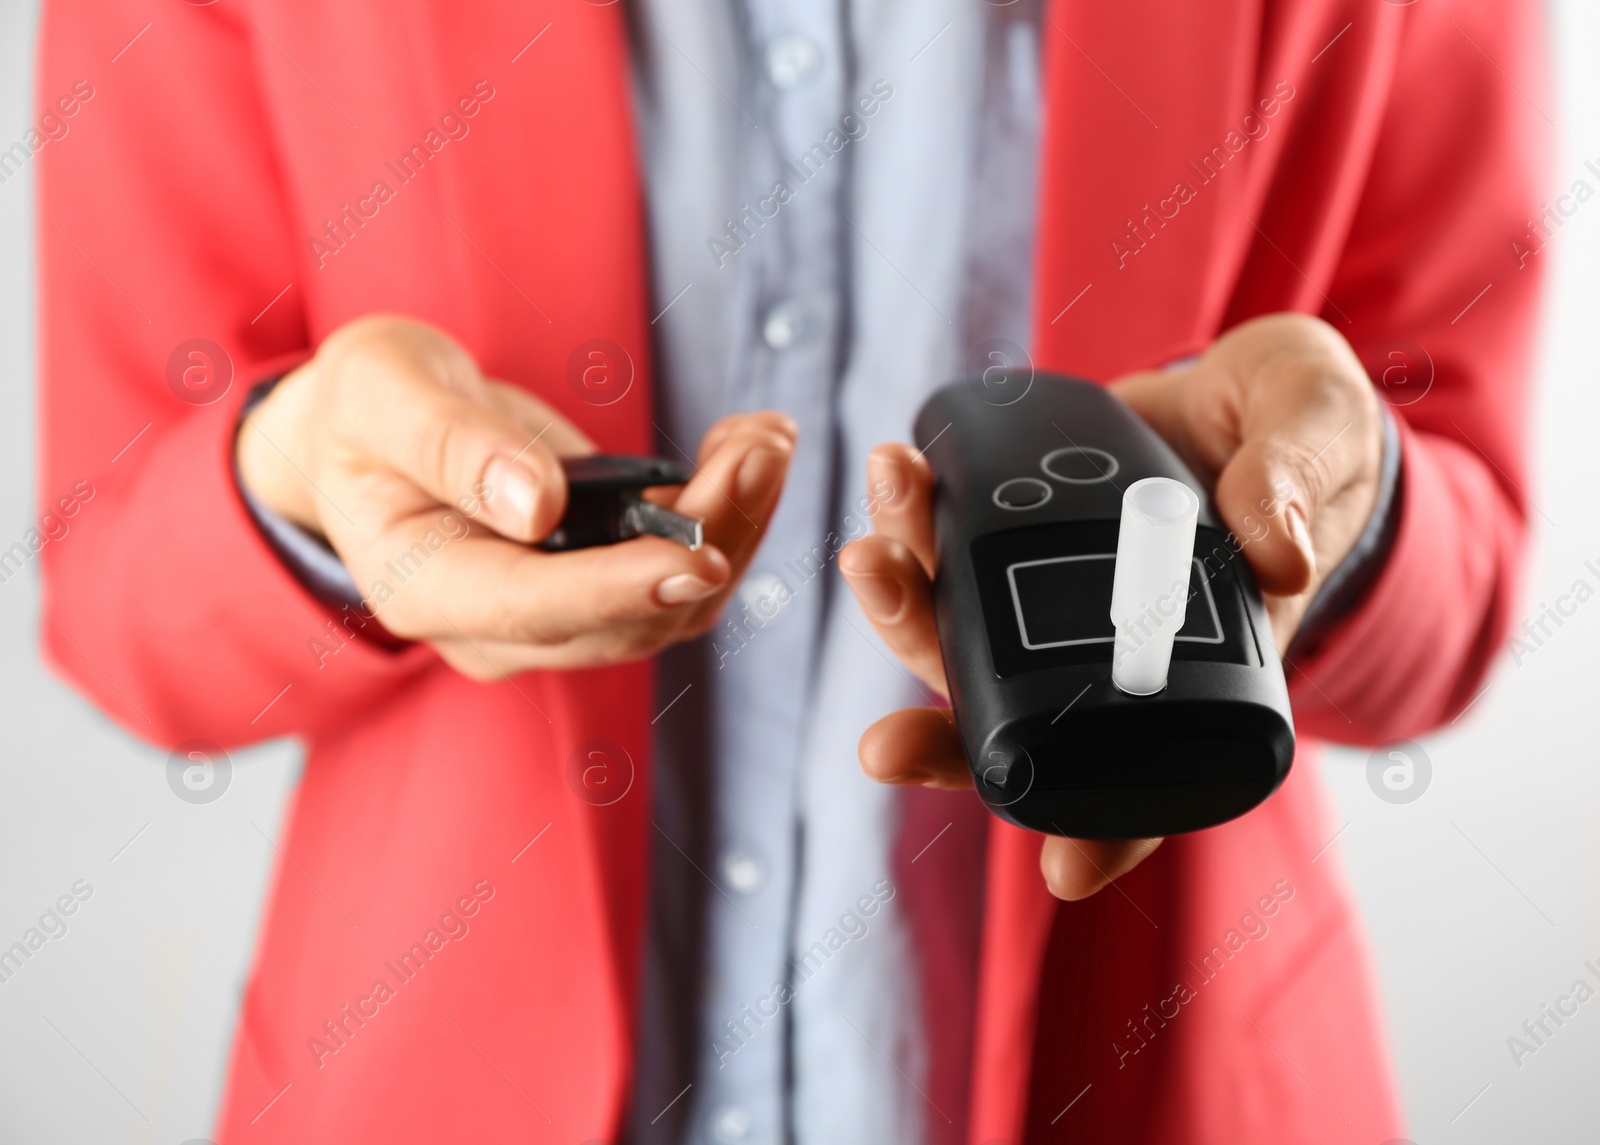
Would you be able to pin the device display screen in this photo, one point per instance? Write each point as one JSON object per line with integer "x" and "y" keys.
{"x": 1046, "y": 595}
{"x": 1062, "y": 601}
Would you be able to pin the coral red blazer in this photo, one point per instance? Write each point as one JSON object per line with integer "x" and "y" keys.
{"x": 452, "y": 947}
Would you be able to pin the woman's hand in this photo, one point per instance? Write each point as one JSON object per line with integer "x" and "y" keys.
{"x": 390, "y": 441}
{"x": 1278, "y": 413}
{"x": 891, "y": 574}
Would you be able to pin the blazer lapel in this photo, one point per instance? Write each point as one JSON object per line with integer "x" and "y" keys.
{"x": 1138, "y": 235}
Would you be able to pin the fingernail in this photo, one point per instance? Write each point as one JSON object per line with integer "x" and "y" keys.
{"x": 886, "y": 475}
{"x": 510, "y": 496}
{"x": 881, "y": 597}
{"x": 684, "y": 588}
{"x": 757, "y": 472}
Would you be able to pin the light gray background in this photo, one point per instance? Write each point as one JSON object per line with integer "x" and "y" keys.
{"x": 1480, "y": 897}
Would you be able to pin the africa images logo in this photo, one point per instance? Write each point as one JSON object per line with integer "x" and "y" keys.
{"x": 1400, "y": 772}
{"x": 199, "y": 771}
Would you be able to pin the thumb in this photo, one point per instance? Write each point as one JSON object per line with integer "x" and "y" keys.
{"x": 1266, "y": 494}
{"x": 1264, "y": 490}
{"x": 433, "y": 424}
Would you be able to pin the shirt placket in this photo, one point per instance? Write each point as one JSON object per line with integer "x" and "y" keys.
{"x": 783, "y": 240}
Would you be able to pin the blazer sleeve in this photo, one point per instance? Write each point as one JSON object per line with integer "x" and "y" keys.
{"x": 1443, "y": 309}
{"x": 162, "y": 224}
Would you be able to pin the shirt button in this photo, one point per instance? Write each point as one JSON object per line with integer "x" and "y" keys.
{"x": 785, "y": 325}
{"x": 730, "y": 1124}
{"x": 791, "y": 59}
{"x": 742, "y": 871}
{"x": 765, "y": 595}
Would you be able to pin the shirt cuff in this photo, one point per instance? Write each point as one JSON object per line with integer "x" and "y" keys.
{"x": 308, "y": 557}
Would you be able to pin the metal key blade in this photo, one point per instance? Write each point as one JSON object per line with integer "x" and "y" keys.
{"x": 641, "y": 517}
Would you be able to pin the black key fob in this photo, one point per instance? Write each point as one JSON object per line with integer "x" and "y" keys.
{"x": 604, "y": 505}
{"x": 1027, "y": 509}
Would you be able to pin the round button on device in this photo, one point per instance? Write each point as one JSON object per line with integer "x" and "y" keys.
{"x": 1022, "y": 493}
{"x": 1080, "y": 465}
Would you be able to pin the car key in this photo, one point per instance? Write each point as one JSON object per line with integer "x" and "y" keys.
{"x": 605, "y": 506}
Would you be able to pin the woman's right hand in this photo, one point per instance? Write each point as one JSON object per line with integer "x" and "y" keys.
{"x": 433, "y": 481}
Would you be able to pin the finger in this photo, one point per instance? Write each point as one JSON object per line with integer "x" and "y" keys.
{"x": 900, "y": 483}
{"x": 487, "y": 660}
{"x": 743, "y": 463}
{"x": 480, "y": 658}
{"x": 1076, "y": 868}
{"x": 917, "y": 747}
{"x": 737, "y": 488}
{"x": 895, "y": 594}
{"x": 393, "y": 404}
{"x": 430, "y": 579}
{"x": 541, "y": 421}
{"x": 723, "y": 427}
{"x": 717, "y": 436}
{"x": 1156, "y": 396}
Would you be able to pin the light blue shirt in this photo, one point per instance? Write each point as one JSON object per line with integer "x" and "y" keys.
{"x": 841, "y": 211}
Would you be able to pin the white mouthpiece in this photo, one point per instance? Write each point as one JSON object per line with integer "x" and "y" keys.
{"x": 1150, "y": 591}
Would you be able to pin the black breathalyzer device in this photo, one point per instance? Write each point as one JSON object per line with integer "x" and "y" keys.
{"x": 1109, "y": 659}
